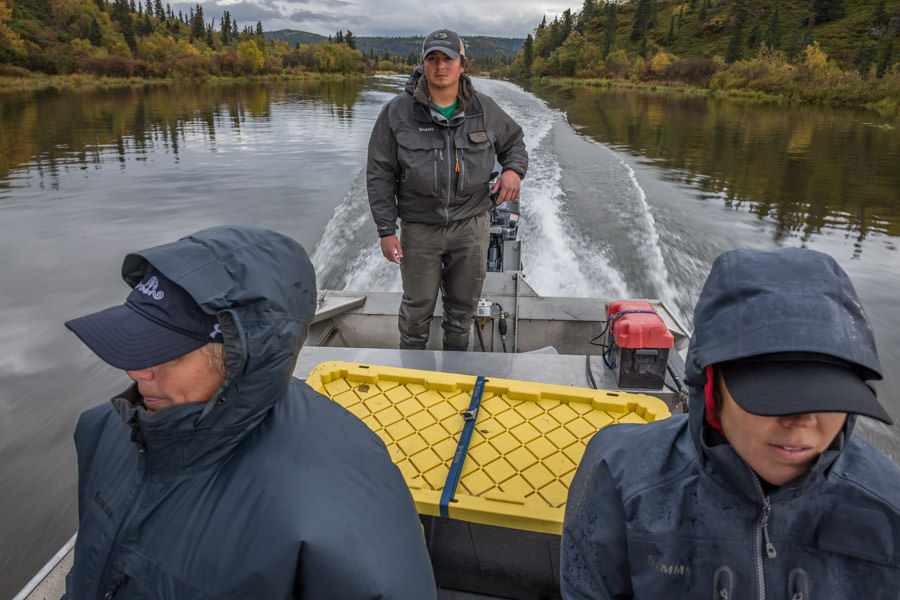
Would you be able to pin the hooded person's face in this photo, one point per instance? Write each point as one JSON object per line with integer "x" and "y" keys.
{"x": 188, "y": 378}
{"x": 778, "y": 448}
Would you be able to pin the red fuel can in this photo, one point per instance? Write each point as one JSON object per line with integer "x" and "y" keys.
{"x": 639, "y": 343}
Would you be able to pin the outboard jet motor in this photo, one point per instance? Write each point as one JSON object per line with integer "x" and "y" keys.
{"x": 504, "y": 228}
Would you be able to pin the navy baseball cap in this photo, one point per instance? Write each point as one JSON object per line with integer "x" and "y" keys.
{"x": 446, "y": 41}
{"x": 159, "y": 321}
{"x": 790, "y": 383}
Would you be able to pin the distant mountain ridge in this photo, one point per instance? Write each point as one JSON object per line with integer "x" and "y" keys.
{"x": 476, "y": 46}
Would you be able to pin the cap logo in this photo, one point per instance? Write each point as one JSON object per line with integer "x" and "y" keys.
{"x": 150, "y": 288}
{"x": 440, "y": 36}
{"x": 216, "y": 332}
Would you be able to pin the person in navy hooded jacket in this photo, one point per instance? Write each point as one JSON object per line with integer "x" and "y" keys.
{"x": 762, "y": 490}
{"x": 216, "y": 474}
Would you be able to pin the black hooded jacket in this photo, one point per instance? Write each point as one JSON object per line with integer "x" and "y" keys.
{"x": 670, "y": 510}
{"x": 269, "y": 490}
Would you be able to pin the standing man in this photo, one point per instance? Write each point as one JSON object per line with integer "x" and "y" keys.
{"x": 761, "y": 490}
{"x": 431, "y": 156}
{"x": 216, "y": 474}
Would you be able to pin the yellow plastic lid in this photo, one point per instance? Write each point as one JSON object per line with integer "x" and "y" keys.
{"x": 528, "y": 438}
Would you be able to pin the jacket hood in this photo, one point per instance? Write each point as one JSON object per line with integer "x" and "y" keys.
{"x": 790, "y": 300}
{"x": 261, "y": 287}
{"x": 417, "y": 87}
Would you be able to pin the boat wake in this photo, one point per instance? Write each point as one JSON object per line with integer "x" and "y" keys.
{"x": 563, "y": 253}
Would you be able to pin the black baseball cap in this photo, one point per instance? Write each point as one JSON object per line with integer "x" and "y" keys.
{"x": 159, "y": 321}
{"x": 790, "y": 383}
{"x": 446, "y": 41}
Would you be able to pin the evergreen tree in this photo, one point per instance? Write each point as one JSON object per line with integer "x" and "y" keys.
{"x": 566, "y": 25}
{"x": 801, "y": 37}
{"x": 772, "y": 37}
{"x": 122, "y": 15}
{"x": 642, "y": 17}
{"x": 702, "y": 15}
{"x": 880, "y": 14}
{"x": 158, "y": 11}
{"x": 793, "y": 47}
{"x": 339, "y": 37}
{"x": 197, "y": 24}
{"x": 528, "y": 54}
{"x": 670, "y": 37}
{"x": 864, "y": 58}
{"x": 588, "y": 12}
{"x": 754, "y": 38}
{"x": 95, "y": 35}
{"x": 144, "y": 26}
{"x": 828, "y": 10}
{"x": 555, "y": 38}
{"x": 259, "y": 29}
{"x": 609, "y": 30}
{"x": 226, "y": 28}
{"x": 234, "y": 30}
{"x": 350, "y": 40}
{"x": 887, "y": 59}
{"x": 735, "y": 49}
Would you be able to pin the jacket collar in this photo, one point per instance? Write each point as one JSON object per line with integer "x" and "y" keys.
{"x": 719, "y": 459}
{"x": 172, "y": 441}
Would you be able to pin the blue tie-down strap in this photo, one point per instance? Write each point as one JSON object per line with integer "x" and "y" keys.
{"x": 462, "y": 448}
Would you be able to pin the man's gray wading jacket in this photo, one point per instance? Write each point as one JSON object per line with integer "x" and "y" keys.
{"x": 669, "y": 510}
{"x": 414, "y": 152}
{"x": 270, "y": 490}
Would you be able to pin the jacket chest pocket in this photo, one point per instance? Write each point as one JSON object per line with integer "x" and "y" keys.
{"x": 420, "y": 158}
{"x": 475, "y": 158}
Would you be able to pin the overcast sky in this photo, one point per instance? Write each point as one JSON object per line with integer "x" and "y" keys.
{"x": 502, "y": 18}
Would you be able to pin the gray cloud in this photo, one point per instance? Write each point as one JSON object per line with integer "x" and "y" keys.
{"x": 503, "y": 18}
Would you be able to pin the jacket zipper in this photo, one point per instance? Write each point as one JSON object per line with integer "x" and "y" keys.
{"x": 460, "y": 170}
{"x": 112, "y": 551}
{"x": 437, "y": 155}
{"x": 449, "y": 176}
{"x": 762, "y": 534}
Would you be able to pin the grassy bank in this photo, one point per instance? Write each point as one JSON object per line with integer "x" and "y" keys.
{"x": 768, "y": 77}
{"x": 40, "y": 81}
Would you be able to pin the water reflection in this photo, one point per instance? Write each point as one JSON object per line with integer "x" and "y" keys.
{"x": 804, "y": 170}
{"x": 53, "y": 130}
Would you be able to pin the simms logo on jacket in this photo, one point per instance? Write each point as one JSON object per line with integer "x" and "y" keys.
{"x": 668, "y": 569}
{"x": 426, "y": 128}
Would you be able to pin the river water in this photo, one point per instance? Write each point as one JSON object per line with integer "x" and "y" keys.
{"x": 629, "y": 194}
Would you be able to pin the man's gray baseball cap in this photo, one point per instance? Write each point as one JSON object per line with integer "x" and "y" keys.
{"x": 446, "y": 41}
